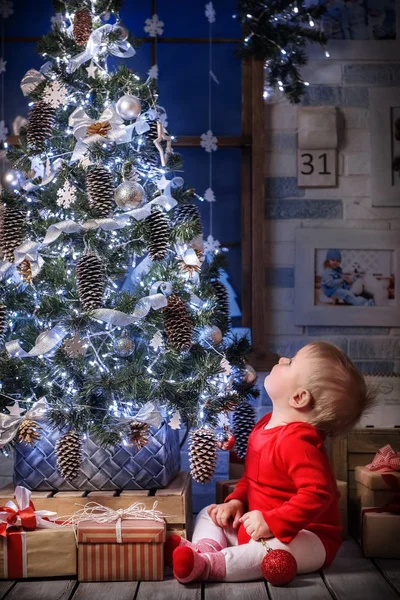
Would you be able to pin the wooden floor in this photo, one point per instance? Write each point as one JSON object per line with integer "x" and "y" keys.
{"x": 351, "y": 577}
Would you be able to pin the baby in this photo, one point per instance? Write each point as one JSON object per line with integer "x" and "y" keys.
{"x": 287, "y": 494}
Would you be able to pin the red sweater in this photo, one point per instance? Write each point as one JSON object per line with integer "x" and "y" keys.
{"x": 287, "y": 476}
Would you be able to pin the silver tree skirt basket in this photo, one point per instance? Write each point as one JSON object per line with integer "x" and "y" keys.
{"x": 153, "y": 466}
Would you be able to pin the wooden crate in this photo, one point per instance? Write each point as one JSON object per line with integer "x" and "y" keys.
{"x": 175, "y": 500}
{"x": 357, "y": 449}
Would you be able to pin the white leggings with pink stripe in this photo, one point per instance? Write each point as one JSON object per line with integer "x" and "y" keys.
{"x": 243, "y": 563}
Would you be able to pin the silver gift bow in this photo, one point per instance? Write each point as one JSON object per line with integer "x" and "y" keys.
{"x": 79, "y": 121}
{"x": 96, "y": 43}
{"x": 9, "y": 423}
{"x": 45, "y": 343}
{"x": 26, "y": 251}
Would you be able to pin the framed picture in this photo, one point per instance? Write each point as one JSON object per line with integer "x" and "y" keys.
{"x": 347, "y": 277}
{"x": 385, "y": 146}
{"x": 360, "y": 29}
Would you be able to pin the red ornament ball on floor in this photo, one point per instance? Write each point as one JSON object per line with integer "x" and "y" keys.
{"x": 279, "y": 567}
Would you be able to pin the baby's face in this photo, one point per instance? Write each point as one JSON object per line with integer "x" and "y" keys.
{"x": 334, "y": 263}
{"x": 289, "y": 375}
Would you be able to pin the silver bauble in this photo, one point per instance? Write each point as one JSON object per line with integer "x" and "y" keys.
{"x": 129, "y": 194}
{"x": 12, "y": 179}
{"x": 212, "y": 334}
{"x": 124, "y": 346}
{"x": 123, "y": 31}
{"x": 128, "y": 107}
{"x": 243, "y": 376}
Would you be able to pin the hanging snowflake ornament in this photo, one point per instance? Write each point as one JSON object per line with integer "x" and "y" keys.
{"x": 208, "y": 141}
{"x": 153, "y": 72}
{"x": 210, "y": 12}
{"x": 3, "y": 132}
{"x": 2, "y": 65}
{"x": 154, "y": 26}
{"x": 75, "y": 346}
{"x": 66, "y": 195}
{"x": 6, "y": 8}
{"x": 175, "y": 421}
{"x": 209, "y": 195}
{"x": 55, "y": 94}
{"x": 157, "y": 341}
{"x": 211, "y": 245}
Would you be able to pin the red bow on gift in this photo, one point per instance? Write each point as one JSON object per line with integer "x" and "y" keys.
{"x": 385, "y": 458}
{"x": 23, "y": 513}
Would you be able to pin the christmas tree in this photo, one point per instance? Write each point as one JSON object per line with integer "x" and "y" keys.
{"x": 92, "y": 194}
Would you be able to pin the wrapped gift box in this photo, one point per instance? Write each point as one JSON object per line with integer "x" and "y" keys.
{"x": 380, "y": 537}
{"x": 39, "y": 553}
{"x": 375, "y": 490}
{"x": 135, "y": 552}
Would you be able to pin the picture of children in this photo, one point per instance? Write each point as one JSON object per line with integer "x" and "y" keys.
{"x": 354, "y": 277}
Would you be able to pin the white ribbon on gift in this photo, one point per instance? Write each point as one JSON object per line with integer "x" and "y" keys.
{"x": 45, "y": 343}
{"x": 23, "y": 498}
{"x": 150, "y": 414}
{"x": 79, "y": 121}
{"x": 9, "y": 423}
{"x": 120, "y": 48}
{"x": 93, "y": 511}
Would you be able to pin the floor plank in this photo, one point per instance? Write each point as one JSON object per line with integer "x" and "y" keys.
{"x": 251, "y": 590}
{"x": 349, "y": 549}
{"x": 42, "y": 590}
{"x": 168, "y": 589}
{"x": 5, "y": 586}
{"x": 390, "y": 568}
{"x": 357, "y": 578}
{"x": 303, "y": 587}
{"x": 106, "y": 590}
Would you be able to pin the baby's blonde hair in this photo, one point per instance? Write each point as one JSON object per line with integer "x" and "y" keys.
{"x": 339, "y": 393}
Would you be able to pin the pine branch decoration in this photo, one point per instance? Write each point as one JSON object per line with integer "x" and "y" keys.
{"x": 203, "y": 455}
{"x": 178, "y": 323}
{"x": 69, "y": 455}
{"x": 90, "y": 276}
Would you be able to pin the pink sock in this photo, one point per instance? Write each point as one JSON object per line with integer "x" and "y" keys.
{"x": 175, "y": 541}
{"x": 189, "y": 565}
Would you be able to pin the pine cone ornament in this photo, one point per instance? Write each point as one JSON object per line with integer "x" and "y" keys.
{"x": 82, "y": 26}
{"x": 3, "y": 322}
{"x": 41, "y": 123}
{"x": 152, "y": 155}
{"x": 187, "y": 213}
{"x": 221, "y": 294}
{"x": 25, "y": 270}
{"x": 244, "y": 419}
{"x": 178, "y": 323}
{"x": 12, "y": 231}
{"x": 158, "y": 233}
{"x": 203, "y": 455}
{"x": 90, "y": 276}
{"x": 29, "y": 432}
{"x": 100, "y": 189}
{"x": 139, "y": 435}
{"x": 69, "y": 455}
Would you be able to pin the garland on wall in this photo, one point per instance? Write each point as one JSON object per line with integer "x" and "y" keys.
{"x": 278, "y": 32}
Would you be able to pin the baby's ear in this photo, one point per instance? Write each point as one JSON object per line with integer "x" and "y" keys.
{"x": 301, "y": 399}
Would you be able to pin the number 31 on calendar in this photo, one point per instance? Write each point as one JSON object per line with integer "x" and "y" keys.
{"x": 316, "y": 168}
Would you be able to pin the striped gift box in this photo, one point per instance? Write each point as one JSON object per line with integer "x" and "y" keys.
{"x": 139, "y": 556}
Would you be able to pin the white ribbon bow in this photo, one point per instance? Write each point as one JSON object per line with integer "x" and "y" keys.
{"x": 96, "y": 43}
{"x": 45, "y": 343}
{"x": 9, "y": 423}
{"x": 80, "y": 121}
{"x": 23, "y": 498}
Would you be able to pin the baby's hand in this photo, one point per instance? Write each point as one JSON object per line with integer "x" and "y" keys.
{"x": 255, "y": 525}
{"x": 221, "y": 513}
